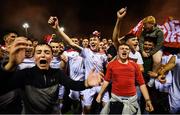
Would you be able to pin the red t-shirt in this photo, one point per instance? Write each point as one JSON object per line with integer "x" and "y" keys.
{"x": 123, "y": 77}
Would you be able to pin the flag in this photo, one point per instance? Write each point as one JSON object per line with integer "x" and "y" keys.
{"x": 137, "y": 29}
{"x": 48, "y": 38}
{"x": 170, "y": 28}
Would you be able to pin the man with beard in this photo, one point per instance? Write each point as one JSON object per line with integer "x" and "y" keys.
{"x": 39, "y": 84}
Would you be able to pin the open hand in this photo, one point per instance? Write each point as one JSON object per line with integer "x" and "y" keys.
{"x": 16, "y": 53}
{"x": 94, "y": 78}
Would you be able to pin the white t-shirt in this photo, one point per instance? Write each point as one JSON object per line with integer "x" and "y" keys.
{"x": 93, "y": 60}
{"x": 27, "y": 63}
{"x": 136, "y": 57}
{"x": 174, "y": 92}
{"x": 55, "y": 63}
{"x": 76, "y": 65}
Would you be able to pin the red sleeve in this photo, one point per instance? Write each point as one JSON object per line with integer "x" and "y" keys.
{"x": 108, "y": 73}
{"x": 139, "y": 76}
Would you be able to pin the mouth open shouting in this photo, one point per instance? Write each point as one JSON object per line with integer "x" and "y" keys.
{"x": 43, "y": 62}
{"x": 93, "y": 47}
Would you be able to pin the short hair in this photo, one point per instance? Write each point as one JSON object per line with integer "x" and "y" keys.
{"x": 123, "y": 44}
{"x": 41, "y": 44}
{"x": 150, "y": 39}
{"x": 128, "y": 36}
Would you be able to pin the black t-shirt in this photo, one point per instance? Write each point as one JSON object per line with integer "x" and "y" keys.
{"x": 112, "y": 51}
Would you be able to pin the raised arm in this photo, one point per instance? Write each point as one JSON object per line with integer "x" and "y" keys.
{"x": 120, "y": 14}
{"x": 16, "y": 54}
{"x": 54, "y": 23}
{"x": 9, "y": 78}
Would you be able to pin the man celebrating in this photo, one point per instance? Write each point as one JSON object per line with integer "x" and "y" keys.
{"x": 124, "y": 73}
{"x": 39, "y": 84}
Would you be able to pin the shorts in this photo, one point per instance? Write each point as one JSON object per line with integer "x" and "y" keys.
{"x": 88, "y": 95}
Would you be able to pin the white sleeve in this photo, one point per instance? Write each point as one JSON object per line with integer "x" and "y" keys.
{"x": 140, "y": 60}
{"x": 84, "y": 52}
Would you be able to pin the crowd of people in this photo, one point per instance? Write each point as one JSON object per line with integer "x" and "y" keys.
{"x": 123, "y": 75}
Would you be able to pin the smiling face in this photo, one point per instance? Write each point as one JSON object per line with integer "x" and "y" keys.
{"x": 148, "y": 46}
{"x": 29, "y": 49}
{"x": 123, "y": 52}
{"x": 94, "y": 43}
{"x": 56, "y": 48}
{"x": 43, "y": 56}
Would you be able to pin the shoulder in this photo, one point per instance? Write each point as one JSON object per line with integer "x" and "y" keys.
{"x": 158, "y": 30}
{"x": 114, "y": 62}
{"x": 133, "y": 63}
{"x": 86, "y": 51}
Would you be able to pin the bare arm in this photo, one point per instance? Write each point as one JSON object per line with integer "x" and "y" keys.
{"x": 53, "y": 21}
{"x": 103, "y": 88}
{"x": 169, "y": 66}
{"x": 145, "y": 93}
{"x": 141, "y": 67}
{"x": 163, "y": 69}
{"x": 120, "y": 14}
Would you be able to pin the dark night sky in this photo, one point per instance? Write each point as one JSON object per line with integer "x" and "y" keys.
{"x": 80, "y": 17}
